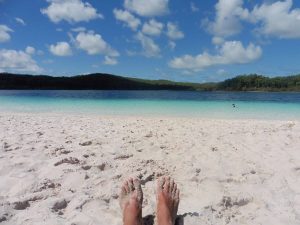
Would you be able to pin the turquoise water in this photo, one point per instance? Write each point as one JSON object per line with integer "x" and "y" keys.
{"x": 284, "y": 106}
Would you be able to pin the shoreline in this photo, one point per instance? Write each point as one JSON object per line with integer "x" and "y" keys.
{"x": 144, "y": 116}
{"x": 139, "y": 90}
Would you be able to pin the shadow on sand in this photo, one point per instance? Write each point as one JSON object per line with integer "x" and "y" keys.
{"x": 149, "y": 220}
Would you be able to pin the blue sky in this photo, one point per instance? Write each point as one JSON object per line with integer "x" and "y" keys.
{"x": 188, "y": 40}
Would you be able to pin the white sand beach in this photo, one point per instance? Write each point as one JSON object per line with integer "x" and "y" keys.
{"x": 60, "y": 169}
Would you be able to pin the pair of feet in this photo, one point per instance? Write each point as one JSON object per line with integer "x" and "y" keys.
{"x": 131, "y": 198}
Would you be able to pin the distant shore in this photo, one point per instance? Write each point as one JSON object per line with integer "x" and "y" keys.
{"x": 100, "y": 81}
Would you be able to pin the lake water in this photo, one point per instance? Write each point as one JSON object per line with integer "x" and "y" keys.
{"x": 248, "y": 105}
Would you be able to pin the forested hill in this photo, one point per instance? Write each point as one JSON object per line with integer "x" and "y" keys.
{"x": 260, "y": 83}
{"x": 100, "y": 81}
{"x": 85, "y": 82}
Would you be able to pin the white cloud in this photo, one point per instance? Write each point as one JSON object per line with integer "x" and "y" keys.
{"x": 4, "y": 33}
{"x": 227, "y": 20}
{"x": 71, "y": 11}
{"x": 217, "y": 40}
{"x": 172, "y": 45}
{"x": 130, "y": 20}
{"x": 153, "y": 28}
{"x": 278, "y": 19}
{"x": 94, "y": 44}
{"x": 61, "y": 49}
{"x": 30, "y": 50}
{"x": 147, "y": 8}
{"x": 275, "y": 18}
{"x": 221, "y": 72}
{"x": 110, "y": 61}
{"x": 194, "y": 8}
{"x": 173, "y": 31}
{"x": 79, "y": 29}
{"x": 20, "y": 21}
{"x": 17, "y": 61}
{"x": 231, "y": 52}
{"x": 150, "y": 48}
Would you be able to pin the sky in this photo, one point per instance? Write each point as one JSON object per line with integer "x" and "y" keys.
{"x": 181, "y": 40}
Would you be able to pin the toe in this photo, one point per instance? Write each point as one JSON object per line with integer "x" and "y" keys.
{"x": 176, "y": 201}
{"x": 160, "y": 183}
{"x": 167, "y": 184}
{"x": 172, "y": 183}
{"x": 125, "y": 186}
{"x": 130, "y": 185}
{"x": 174, "y": 191}
{"x": 137, "y": 183}
{"x": 123, "y": 191}
{"x": 138, "y": 188}
{"x": 177, "y": 196}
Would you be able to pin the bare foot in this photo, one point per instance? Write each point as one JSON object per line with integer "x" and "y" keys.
{"x": 131, "y": 198}
{"x": 167, "y": 201}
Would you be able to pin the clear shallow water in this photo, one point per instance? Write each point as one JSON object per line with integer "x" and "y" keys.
{"x": 285, "y": 106}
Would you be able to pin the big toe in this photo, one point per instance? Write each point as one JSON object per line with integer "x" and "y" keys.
{"x": 130, "y": 185}
{"x": 160, "y": 183}
{"x": 124, "y": 192}
{"x": 124, "y": 188}
{"x": 167, "y": 185}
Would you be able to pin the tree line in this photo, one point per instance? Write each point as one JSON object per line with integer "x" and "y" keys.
{"x": 99, "y": 81}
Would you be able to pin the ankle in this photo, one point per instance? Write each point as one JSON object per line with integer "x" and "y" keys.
{"x": 133, "y": 221}
{"x": 164, "y": 218}
{"x": 164, "y": 221}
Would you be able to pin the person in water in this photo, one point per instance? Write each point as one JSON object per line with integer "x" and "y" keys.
{"x": 167, "y": 197}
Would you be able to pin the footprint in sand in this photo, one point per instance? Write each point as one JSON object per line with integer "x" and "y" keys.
{"x": 70, "y": 160}
{"x": 297, "y": 169}
{"x": 5, "y": 217}
{"x": 147, "y": 178}
{"x": 21, "y": 205}
{"x": 59, "y": 205}
{"x": 150, "y": 134}
{"x": 122, "y": 157}
{"x": 48, "y": 184}
{"x": 87, "y": 143}
{"x": 228, "y": 202}
{"x": 60, "y": 151}
{"x": 102, "y": 166}
{"x": 6, "y": 147}
{"x": 214, "y": 149}
{"x": 86, "y": 167}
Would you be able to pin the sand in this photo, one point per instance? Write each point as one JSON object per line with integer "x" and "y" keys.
{"x": 60, "y": 169}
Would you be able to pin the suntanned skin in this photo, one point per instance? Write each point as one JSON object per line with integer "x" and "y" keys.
{"x": 131, "y": 198}
{"x": 167, "y": 201}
